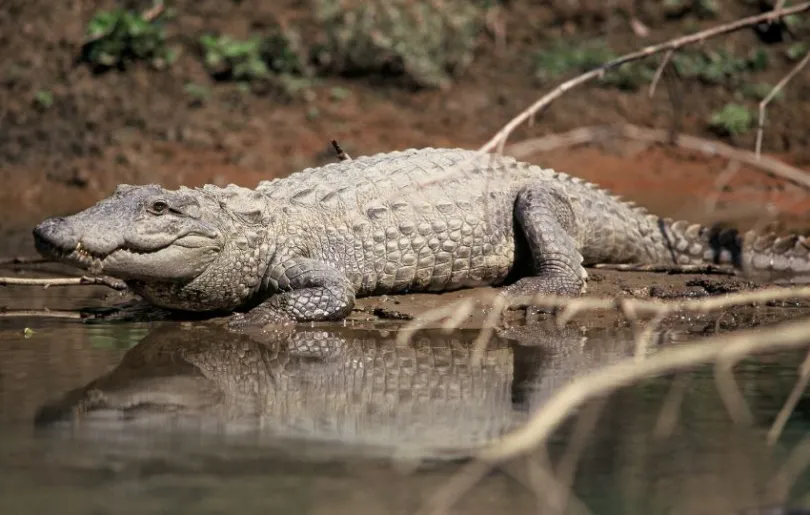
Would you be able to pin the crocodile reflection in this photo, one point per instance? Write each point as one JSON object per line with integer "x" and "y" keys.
{"x": 343, "y": 385}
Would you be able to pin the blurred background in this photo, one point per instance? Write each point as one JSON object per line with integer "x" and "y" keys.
{"x": 96, "y": 93}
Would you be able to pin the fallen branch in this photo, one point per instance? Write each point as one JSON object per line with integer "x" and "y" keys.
{"x": 110, "y": 282}
{"x": 592, "y": 134}
{"x": 499, "y": 140}
{"x": 44, "y": 313}
{"x": 597, "y": 384}
{"x": 790, "y": 403}
{"x": 669, "y": 269}
{"x": 775, "y": 91}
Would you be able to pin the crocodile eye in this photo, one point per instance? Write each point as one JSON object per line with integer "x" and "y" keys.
{"x": 158, "y": 207}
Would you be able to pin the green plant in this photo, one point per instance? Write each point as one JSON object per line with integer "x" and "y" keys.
{"x": 429, "y": 42}
{"x": 197, "y": 94}
{"x": 719, "y": 67}
{"x": 700, "y": 8}
{"x": 119, "y": 36}
{"x": 797, "y": 50}
{"x": 276, "y": 58}
{"x": 758, "y": 91}
{"x": 731, "y": 120}
{"x": 229, "y": 58}
{"x": 564, "y": 57}
{"x": 43, "y": 99}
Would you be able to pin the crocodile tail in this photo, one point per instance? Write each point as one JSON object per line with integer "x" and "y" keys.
{"x": 751, "y": 252}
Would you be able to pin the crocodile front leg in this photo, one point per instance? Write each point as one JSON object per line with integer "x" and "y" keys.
{"x": 308, "y": 290}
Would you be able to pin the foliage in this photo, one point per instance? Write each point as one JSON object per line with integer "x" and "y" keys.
{"x": 119, "y": 36}
{"x": 43, "y": 99}
{"x": 229, "y": 58}
{"x": 731, "y": 120}
{"x": 564, "y": 57}
{"x": 276, "y": 57}
{"x": 758, "y": 91}
{"x": 429, "y": 42}
{"x": 719, "y": 67}
{"x": 700, "y": 8}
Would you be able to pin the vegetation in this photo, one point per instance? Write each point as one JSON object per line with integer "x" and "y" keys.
{"x": 117, "y": 37}
{"x": 732, "y": 120}
{"x": 428, "y": 42}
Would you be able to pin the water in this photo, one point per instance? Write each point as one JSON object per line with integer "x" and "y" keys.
{"x": 186, "y": 418}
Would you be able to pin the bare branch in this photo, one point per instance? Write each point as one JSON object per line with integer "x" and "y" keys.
{"x": 730, "y": 393}
{"x": 609, "y": 378}
{"x": 587, "y": 135}
{"x": 499, "y": 140}
{"x": 670, "y": 269}
{"x": 44, "y": 313}
{"x": 660, "y": 70}
{"x": 775, "y": 91}
{"x": 668, "y": 416}
{"x": 790, "y": 403}
{"x": 455, "y": 314}
{"x": 110, "y": 282}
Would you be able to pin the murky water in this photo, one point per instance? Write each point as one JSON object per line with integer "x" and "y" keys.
{"x": 186, "y": 418}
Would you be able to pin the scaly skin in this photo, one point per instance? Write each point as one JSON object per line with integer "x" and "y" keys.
{"x": 304, "y": 247}
{"x": 350, "y": 386}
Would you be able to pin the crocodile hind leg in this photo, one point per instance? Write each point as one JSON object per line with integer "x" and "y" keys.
{"x": 307, "y": 290}
{"x": 548, "y": 223}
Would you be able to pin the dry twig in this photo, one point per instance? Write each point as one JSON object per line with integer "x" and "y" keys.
{"x": 587, "y": 135}
{"x": 660, "y": 71}
{"x": 499, "y": 140}
{"x": 608, "y": 379}
{"x": 790, "y": 403}
{"x": 110, "y": 282}
{"x": 44, "y": 313}
{"x": 775, "y": 91}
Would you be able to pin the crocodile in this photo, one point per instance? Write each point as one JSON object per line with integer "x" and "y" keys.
{"x": 358, "y": 387}
{"x": 304, "y": 247}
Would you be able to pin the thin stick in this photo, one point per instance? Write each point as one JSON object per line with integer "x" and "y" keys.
{"x": 790, "y": 403}
{"x": 110, "y": 282}
{"x": 587, "y": 135}
{"x": 627, "y": 372}
{"x": 341, "y": 155}
{"x": 775, "y": 91}
{"x": 669, "y": 269}
{"x": 44, "y": 313}
{"x": 660, "y": 70}
{"x": 668, "y": 416}
{"x": 609, "y": 378}
{"x": 499, "y": 140}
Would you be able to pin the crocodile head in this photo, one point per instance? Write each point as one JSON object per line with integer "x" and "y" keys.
{"x": 188, "y": 249}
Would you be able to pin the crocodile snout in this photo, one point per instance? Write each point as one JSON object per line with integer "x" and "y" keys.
{"x": 54, "y": 234}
